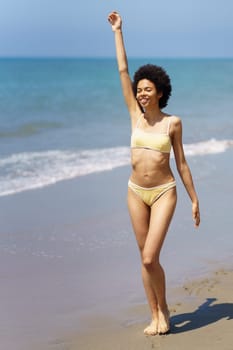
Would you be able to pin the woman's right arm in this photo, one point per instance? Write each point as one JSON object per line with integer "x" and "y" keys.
{"x": 131, "y": 102}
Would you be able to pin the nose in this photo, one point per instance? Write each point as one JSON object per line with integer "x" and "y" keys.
{"x": 142, "y": 93}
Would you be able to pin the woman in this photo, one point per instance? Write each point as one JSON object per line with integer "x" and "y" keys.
{"x": 152, "y": 188}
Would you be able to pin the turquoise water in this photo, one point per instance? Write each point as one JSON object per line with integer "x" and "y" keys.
{"x": 63, "y": 118}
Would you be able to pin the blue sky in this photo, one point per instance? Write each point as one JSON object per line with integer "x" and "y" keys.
{"x": 79, "y": 28}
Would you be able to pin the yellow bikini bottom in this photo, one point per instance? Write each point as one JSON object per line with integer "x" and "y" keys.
{"x": 149, "y": 195}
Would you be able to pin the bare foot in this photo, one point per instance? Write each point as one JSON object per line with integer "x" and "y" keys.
{"x": 152, "y": 329}
{"x": 164, "y": 324}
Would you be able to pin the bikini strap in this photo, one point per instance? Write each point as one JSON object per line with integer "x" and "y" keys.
{"x": 139, "y": 121}
{"x": 168, "y": 125}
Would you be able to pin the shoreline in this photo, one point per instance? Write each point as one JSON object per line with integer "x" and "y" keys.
{"x": 200, "y": 319}
{"x": 69, "y": 256}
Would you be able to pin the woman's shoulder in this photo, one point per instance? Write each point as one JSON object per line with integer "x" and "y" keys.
{"x": 175, "y": 120}
{"x": 175, "y": 125}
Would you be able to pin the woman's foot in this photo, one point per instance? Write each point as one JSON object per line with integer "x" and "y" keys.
{"x": 152, "y": 329}
{"x": 164, "y": 323}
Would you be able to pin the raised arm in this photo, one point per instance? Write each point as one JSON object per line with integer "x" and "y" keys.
{"x": 183, "y": 168}
{"x": 131, "y": 102}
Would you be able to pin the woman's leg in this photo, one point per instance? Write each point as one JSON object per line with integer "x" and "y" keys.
{"x": 140, "y": 218}
{"x": 150, "y": 226}
{"x": 161, "y": 214}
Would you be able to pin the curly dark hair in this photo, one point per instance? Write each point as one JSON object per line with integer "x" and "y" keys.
{"x": 159, "y": 77}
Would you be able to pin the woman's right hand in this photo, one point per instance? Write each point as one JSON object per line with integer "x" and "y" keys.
{"x": 115, "y": 20}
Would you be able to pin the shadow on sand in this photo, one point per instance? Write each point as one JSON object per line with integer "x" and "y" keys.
{"x": 203, "y": 316}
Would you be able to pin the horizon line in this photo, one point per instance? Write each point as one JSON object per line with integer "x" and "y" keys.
{"x": 109, "y": 57}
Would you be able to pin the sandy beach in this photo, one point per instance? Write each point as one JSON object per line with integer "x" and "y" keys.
{"x": 202, "y": 318}
{"x": 70, "y": 267}
{"x": 70, "y": 274}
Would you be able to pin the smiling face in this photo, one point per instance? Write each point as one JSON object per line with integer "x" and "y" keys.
{"x": 147, "y": 94}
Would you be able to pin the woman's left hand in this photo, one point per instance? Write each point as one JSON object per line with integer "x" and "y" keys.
{"x": 196, "y": 214}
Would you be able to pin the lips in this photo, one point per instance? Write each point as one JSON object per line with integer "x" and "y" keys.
{"x": 143, "y": 100}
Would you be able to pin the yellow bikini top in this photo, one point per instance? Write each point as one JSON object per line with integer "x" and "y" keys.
{"x": 154, "y": 141}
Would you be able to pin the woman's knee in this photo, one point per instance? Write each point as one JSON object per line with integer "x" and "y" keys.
{"x": 149, "y": 261}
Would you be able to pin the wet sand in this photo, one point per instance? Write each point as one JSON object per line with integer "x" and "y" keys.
{"x": 70, "y": 267}
{"x": 202, "y": 318}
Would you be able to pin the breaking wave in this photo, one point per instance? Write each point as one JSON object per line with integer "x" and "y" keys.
{"x": 25, "y": 171}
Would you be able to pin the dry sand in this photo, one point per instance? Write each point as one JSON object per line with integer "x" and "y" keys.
{"x": 200, "y": 319}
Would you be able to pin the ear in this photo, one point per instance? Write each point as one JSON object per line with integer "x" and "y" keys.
{"x": 160, "y": 94}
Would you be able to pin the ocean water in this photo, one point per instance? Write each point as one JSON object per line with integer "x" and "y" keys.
{"x": 64, "y": 118}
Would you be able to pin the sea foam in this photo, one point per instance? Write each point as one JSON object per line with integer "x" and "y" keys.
{"x": 31, "y": 170}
